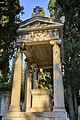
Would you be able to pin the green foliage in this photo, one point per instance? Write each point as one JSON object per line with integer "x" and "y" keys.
{"x": 72, "y": 57}
{"x": 45, "y": 79}
{"x": 32, "y": 15}
{"x": 9, "y": 23}
{"x": 6, "y": 87}
{"x": 42, "y": 13}
{"x": 54, "y": 9}
{"x": 51, "y": 8}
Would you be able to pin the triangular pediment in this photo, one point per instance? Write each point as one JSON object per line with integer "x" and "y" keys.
{"x": 39, "y": 29}
{"x": 39, "y": 22}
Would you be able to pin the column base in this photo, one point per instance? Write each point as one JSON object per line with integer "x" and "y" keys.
{"x": 60, "y": 114}
{"x": 14, "y": 109}
{"x": 13, "y": 115}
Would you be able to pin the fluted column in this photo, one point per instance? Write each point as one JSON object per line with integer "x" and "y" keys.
{"x": 57, "y": 73}
{"x": 16, "y": 89}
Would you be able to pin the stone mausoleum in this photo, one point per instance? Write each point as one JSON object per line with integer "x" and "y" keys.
{"x": 41, "y": 40}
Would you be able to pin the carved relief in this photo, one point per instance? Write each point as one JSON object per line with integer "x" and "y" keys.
{"x": 40, "y": 36}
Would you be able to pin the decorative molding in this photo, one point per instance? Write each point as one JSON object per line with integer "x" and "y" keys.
{"x": 40, "y": 19}
{"x": 40, "y": 36}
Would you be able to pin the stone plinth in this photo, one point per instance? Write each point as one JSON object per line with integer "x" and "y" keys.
{"x": 47, "y": 116}
{"x": 40, "y": 100}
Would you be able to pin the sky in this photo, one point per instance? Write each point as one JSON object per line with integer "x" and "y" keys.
{"x": 30, "y": 4}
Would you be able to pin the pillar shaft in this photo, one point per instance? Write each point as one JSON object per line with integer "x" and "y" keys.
{"x": 28, "y": 88}
{"x": 16, "y": 89}
{"x": 58, "y": 83}
{"x": 34, "y": 78}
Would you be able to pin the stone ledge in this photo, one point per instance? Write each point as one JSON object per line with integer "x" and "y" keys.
{"x": 40, "y": 92}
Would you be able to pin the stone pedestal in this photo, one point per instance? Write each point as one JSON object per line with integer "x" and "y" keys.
{"x": 40, "y": 100}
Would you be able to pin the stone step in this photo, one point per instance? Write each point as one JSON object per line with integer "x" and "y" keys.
{"x": 58, "y": 115}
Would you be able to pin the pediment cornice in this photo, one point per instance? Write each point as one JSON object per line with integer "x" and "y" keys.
{"x": 39, "y": 21}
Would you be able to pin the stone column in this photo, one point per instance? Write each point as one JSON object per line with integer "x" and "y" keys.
{"x": 14, "y": 112}
{"x": 34, "y": 77}
{"x": 59, "y": 109}
{"x": 28, "y": 88}
{"x": 16, "y": 89}
{"x": 35, "y": 69}
{"x": 58, "y": 83}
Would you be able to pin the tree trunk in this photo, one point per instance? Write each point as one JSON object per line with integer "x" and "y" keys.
{"x": 70, "y": 101}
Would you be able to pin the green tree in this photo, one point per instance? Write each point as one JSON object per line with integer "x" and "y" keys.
{"x": 72, "y": 70}
{"x": 9, "y": 23}
{"x": 71, "y": 11}
{"x": 51, "y": 8}
{"x": 54, "y": 9}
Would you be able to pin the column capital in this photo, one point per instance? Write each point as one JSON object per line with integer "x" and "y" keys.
{"x": 53, "y": 42}
{"x": 35, "y": 67}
